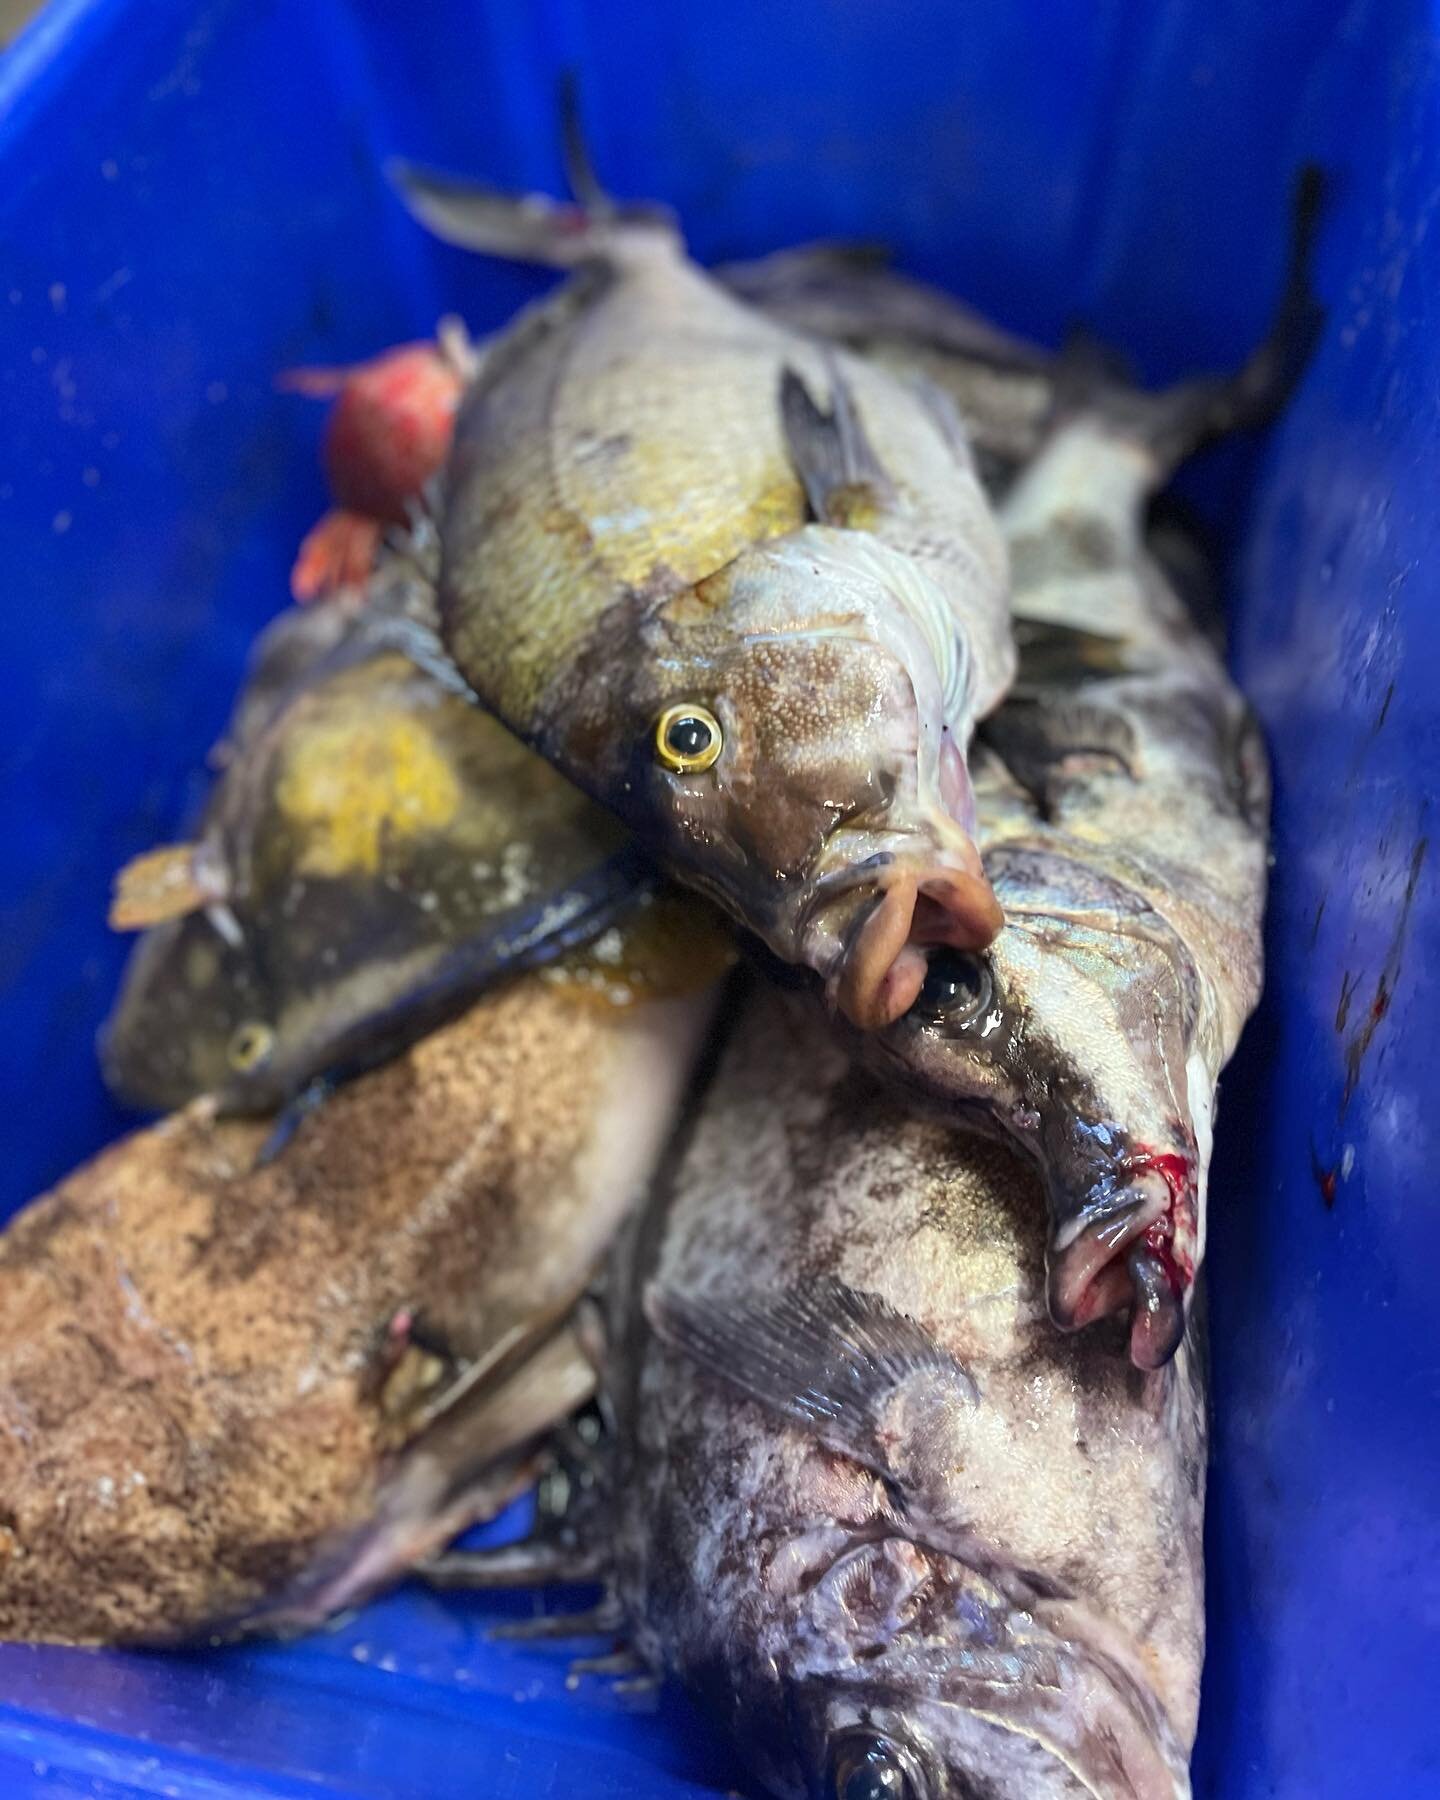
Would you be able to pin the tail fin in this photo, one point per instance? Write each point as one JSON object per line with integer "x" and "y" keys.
{"x": 532, "y": 227}
{"x": 1176, "y": 422}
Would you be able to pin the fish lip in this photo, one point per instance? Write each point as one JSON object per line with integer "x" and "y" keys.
{"x": 918, "y": 904}
{"x": 1119, "y": 1248}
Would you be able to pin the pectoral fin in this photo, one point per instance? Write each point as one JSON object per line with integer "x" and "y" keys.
{"x": 168, "y": 883}
{"x": 826, "y": 1355}
{"x": 842, "y": 476}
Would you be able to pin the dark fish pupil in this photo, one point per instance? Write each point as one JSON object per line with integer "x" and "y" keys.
{"x": 876, "y": 1779}
{"x": 688, "y": 737}
{"x": 954, "y": 984}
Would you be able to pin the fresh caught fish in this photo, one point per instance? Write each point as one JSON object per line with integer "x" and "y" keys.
{"x": 376, "y": 851}
{"x": 1124, "y": 827}
{"x": 1123, "y": 823}
{"x": 742, "y": 587}
{"x": 240, "y": 1398}
{"x": 387, "y": 435}
{"x": 900, "y": 1537}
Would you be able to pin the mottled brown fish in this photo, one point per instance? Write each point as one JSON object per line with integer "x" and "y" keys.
{"x": 239, "y": 1398}
{"x": 901, "y": 1538}
{"x": 376, "y": 851}
{"x": 742, "y": 587}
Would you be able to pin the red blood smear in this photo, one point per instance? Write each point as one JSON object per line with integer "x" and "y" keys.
{"x": 1159, "y": 1238}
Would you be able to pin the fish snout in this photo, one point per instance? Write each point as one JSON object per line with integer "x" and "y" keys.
{"x": 1130, "y": 1245}
{"x": 920, "y": 907}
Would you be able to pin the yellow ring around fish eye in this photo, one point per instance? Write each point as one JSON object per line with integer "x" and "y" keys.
{"x": 249, "y": 1045}
{"x": 688, "y": 739}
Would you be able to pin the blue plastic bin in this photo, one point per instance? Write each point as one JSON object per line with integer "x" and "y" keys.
{"x": 190, "y": 200}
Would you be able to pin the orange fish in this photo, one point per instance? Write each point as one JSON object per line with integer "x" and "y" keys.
{"x": 388, "y": 434}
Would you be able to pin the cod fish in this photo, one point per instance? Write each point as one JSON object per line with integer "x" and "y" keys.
{"x": 741, "y": 586}
{"x": 1123, "y": 823}
{"x": 902, "y": 1539}
{"x": 376, "y": 851}
{"x": 237, "y": 1398}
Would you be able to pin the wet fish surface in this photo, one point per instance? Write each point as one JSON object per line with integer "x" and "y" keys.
{"x": 238, "y": 1398}
{"x": 376, "y": 851}
{"x": 898, "y": 1535}
{"x": 742, "y": 587}
{"x": 1123, "y": 819}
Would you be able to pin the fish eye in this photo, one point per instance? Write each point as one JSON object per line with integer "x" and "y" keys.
{"x": 958, "y": 988}
{"x": 870, "y": 1768}
{"x": 249, "y": 1045}
{"x": 688, "y": 739}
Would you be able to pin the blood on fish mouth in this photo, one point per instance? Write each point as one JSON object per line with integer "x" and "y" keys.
{"x": 1129, "y": 1249}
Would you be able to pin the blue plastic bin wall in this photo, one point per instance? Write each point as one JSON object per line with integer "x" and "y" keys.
{"x": 191, "y": 200}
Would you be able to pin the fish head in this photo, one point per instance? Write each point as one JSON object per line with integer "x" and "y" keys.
{"x": 798, "y": 759}
{"x": 911, "y": 1676}
{"x": 192, "y": 1018}
{"x": 1075, "y": 1035}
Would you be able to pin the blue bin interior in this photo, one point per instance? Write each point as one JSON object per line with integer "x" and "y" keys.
{"x": 191, "y": 200}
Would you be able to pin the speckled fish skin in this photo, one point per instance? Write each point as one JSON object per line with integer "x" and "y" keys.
{"x": 384, "y": 848}
{"x": 238, "y": 1398}
{"x": 625, "y": 528}
{"x": 1124, "y": 826}
{"x": 1006, "y": 1586}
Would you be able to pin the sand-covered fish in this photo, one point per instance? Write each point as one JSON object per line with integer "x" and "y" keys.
{"x": 242, "y": 1398}
{"x": 901, "y": 1538}
{"x": 376, "y": 850}
{"x": 740, "y": 586}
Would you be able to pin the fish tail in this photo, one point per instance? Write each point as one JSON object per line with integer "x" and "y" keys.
{"x": 1176, "y": 422}
{"x": 531, "y": 228}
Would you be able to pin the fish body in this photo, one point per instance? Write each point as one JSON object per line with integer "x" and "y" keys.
{"x": 663, "y": 507}
{"x": 1123, "y": 822}
{"x": 241, "y": 1398}
{"x": 375, "y": 851}
{"x": 883, "y": 1520}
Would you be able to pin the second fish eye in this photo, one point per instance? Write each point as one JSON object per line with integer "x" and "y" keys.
{"x": 869, "y": 1768}
{"x": 687, "y": 739}
{"x": 958, "y": 989}
{"x": 249, "y": 1045}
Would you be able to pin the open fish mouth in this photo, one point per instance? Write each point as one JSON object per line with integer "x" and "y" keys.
{"x": 1130, "y": 1245}
{"x": 918, "y": 909}
{"x": 883, "y": 916}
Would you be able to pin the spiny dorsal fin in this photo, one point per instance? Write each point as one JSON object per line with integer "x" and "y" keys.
{"x": 837, "y": 465}
{"x": 826, "y": 1355}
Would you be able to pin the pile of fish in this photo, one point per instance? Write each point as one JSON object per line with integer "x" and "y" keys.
{"x": 726, "y": 905}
